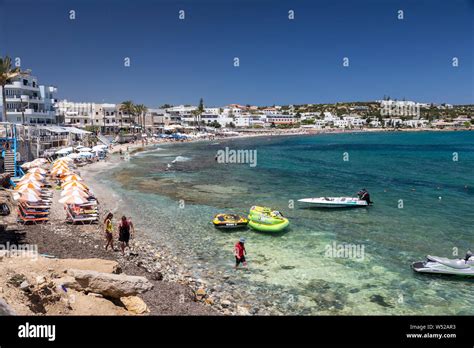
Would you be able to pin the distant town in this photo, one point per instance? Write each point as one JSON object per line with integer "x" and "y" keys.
{"x": 41, "y": 124}
{"x": 30, "y": 103}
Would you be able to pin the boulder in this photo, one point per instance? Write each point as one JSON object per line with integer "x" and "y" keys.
{"x": 109, "y": 285}
{"x": 5, "y": 309}
{"x": 135, "y": 304}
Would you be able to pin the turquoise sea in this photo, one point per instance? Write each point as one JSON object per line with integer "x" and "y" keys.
{"x": 422, "y": 184}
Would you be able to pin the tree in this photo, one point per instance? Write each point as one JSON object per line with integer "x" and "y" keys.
{"x": 6, "y": 75}
{"x": 198, "y": 112}
{"x": 141, "y": 110}
{"x": 127, "y": 107}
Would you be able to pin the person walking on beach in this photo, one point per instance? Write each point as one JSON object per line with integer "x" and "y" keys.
{"x": 108, "y": 229}
{"x": 124, "y": 233}
{"x": 239, "y": 252}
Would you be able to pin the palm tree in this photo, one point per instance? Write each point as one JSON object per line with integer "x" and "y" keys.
{"x": 127, "y": 107}
{"x": 141, "y": 110}
{"x": 6, "y": 75}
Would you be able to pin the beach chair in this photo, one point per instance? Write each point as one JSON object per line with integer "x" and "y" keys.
{"x": 82, "y": 219}
{"x": 33, "y": 212}
{"x": 25, "y": 219}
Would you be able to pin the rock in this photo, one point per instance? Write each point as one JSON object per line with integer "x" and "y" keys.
{"x": 242, "y": 310}
{"x": 135, "y": 304}
{"x": 200, "y": 294}
{"x": 40, "y": 280}
{"x": 157, "y": 275}
{"x": 226, "y": 303}
{"x": 109, "y": 285}
{"x": 5, "y": 309}
{"x": 25, "y": 286}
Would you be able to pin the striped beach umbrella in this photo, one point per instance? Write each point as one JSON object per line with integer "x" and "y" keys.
{"x": 73, "y": 177}
{"x": 71, "y": 184}
{"x": 73, "y": 199}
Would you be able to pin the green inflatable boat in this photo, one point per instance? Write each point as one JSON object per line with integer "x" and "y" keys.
{"x": 266, "y": 220}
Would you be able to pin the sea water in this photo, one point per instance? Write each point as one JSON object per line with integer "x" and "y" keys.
{"x": 422, "y": 185}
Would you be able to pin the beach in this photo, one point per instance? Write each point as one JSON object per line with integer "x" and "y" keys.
{"x": 190, "y": 263}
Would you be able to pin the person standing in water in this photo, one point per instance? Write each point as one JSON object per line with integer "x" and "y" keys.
{"x": 239, "y": 252}
{"x": 108, "y": 229}
{"x": 124, "y": 233}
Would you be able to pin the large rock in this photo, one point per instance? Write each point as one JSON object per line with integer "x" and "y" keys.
{"x": 135, "y": 304}
{"x": 109, "y": 285}
{"x": 5, "y": 309}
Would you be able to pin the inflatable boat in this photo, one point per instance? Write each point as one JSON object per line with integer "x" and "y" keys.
{"x": 267, "y": 220}
{"x": 229, "y": 221}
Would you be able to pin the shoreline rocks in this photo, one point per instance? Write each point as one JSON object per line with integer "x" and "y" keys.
{"x": 109, "y": 285}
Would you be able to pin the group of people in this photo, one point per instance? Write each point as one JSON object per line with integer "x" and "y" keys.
{"x": 125, "y": 230}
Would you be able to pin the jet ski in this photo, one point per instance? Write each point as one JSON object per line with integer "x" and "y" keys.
{"x": 442, "y": 265}
{"x": 229, "y": 221}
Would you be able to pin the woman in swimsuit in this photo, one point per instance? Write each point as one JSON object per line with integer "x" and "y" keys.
{"x": 109, "y": 228}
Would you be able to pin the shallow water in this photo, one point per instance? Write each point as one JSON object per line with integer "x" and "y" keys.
{"x": 174, "y": 190}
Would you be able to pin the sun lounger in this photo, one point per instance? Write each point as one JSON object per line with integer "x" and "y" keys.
{"x": 33, "y": 211}
{"x": 24, "y": 219}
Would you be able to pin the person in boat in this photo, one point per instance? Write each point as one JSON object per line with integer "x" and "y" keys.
{"x": 108, "y": 229}
{"x": 468, "y": 256}
{"x": 239, "y": 252}
{"x": 364, "y": 195}
{"x": 124, "y": 233}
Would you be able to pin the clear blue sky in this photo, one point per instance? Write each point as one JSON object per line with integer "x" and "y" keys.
{"x": 281, "y": 61}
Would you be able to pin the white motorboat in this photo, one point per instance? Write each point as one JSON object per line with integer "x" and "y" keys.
{"x": 335, "y": 202}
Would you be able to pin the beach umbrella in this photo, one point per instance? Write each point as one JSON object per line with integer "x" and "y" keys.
{"x": 38, "y": 170}
{"x": 73, "y": 199}
{"x": 29, "y": 196}
{"x": 71, "y": 184}
{"x": 73, "y": 155}
{"x": 36, "y": 176}
{"x": 27, "y": 165}
{"x": 60, "y": 171}
{"x": 27, "y": 186}
{"x": 73, "y": 177}
{"x": 78, "y": 147}
{"x": 85, "y": 149}
{"x": 99, "y": 148}
{"x": 64, "y": 151}
{"x": 75, "y": 192}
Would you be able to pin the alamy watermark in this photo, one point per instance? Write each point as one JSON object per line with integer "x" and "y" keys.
{"x": 400, "y": 109}
{"x": 345, "y": 251}
{"x": 232, "y": 156}
{"x": 24, "y": 250}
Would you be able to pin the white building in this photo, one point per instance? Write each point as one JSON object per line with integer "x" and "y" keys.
{"x": 28, "y": 102}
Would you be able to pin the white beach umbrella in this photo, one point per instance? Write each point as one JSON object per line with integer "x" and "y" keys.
{"x": 64, "y": 151}
{"x": 38, "y": 170}
{"x": 75, "y": 192}
{"x": 29, "y": 196}
{"x": 74, "y": 155}
{"x": 85, "y": 149}
{"x": 73, "y": 199}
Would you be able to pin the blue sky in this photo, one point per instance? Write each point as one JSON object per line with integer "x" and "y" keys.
{"x": 282, "y": 61}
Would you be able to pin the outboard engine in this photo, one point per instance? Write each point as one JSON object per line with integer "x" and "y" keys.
{"x": 468, "y": 255}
